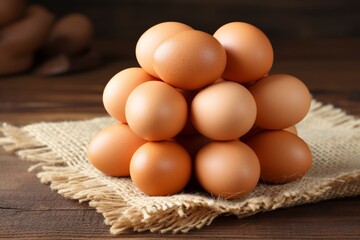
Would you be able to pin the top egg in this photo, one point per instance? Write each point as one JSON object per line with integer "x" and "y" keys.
{"x": 190, "y": 60}
{"x": 150, "y": 40}
{"x": 249, "y": 52}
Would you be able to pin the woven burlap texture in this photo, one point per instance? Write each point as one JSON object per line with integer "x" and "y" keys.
{"x": 59, "y": 152}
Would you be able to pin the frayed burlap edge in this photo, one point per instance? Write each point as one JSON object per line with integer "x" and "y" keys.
{"x": 72, "y": 183}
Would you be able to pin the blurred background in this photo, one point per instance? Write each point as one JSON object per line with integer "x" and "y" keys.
{"x": 281, "y": 20}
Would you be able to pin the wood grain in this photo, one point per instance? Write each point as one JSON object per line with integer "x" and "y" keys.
{"x": 30, "y": 210}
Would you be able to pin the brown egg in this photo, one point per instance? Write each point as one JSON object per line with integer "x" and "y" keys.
{"x": 71, "y": 35}
{"x": 291, "y": 129}
{"x": 227, "y": 169}
{"x": 156, "y": 111}
{"x": 118, "y": 89}
{"x": 11, "y": 10}
{"x": 111, "y": 149}
{"x": 11, "y": 64}
{"x": 223, "y": 111}
{"x": 160, "y": 168}
{"x": 150, "y": 40}
{"x": 249, "y": 52}
{"x": 283, "y": 156}
{"x": 189, "y": 60}
{"x": 282, "y": 101}
{"x": 28, "y": 34}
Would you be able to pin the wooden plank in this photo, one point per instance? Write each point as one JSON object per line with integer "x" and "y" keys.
{"x": 30, "y": 210}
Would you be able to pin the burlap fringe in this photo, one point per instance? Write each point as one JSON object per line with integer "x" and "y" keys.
{"x": 336, "y": 116}
{"x": 183, "y": 216}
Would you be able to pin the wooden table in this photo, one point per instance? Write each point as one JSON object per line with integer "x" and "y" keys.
{"x": 30, "y": 210}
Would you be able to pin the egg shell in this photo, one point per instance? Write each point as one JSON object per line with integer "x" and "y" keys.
{"x": 11, "y": 10}
{"x": 111, "y": 149}
{"x": 70, "y": 35}
{"x": 160, "y": 168}
{"x": 249, "y": 51}
{"x": 156, "y": 111}
{"x": 26, "y": 36}
{"x": 283, "y": 156}
{"x": 189, "y": 60}
{"x": 118, "y": 89}
{"x": 223, "y": 111}
{"x": 227, "y": 169}
{"x": 150, "y": 40}
{"x": 282, "y": 101}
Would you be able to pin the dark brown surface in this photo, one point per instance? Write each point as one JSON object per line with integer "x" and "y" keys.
{"x": 280, "y": 19}
{"x": 30, "y": 210}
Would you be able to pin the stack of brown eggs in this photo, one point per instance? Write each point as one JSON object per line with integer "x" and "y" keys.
{"x": 30, "y": 36}
{"x": 206, "y": 105}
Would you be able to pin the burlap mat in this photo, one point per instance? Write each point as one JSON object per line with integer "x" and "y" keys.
{"x": 59, "y": 148}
